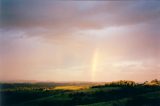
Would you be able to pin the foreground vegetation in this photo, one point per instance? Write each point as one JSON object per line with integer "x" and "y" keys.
{"x": 119, "y": 93}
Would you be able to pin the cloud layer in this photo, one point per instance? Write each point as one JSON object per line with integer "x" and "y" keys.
{"x": 50, "y": 40}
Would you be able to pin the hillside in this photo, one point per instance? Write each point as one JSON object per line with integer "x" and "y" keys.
{"x": 119, "y": 93}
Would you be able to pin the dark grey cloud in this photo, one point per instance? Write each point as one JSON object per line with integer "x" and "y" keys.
{"x": 77, "y": 14}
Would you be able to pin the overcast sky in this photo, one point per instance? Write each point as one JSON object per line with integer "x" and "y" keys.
{"x": 47, "y": 40}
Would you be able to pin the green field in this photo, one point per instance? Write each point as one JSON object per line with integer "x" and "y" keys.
{"x": 122, "y": 93}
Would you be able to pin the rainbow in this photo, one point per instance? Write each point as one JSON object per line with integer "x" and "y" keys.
{"x": 94, "y": 64}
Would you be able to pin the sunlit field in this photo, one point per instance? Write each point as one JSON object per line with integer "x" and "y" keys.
{"x": 71, "y": 87}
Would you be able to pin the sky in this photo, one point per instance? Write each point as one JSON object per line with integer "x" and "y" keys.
{"x": 47, "y": 40}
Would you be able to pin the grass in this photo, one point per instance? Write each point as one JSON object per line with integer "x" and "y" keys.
{"x": 80, "y": 95}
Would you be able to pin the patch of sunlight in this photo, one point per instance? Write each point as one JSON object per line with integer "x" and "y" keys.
{"x": 71, "y": 87}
